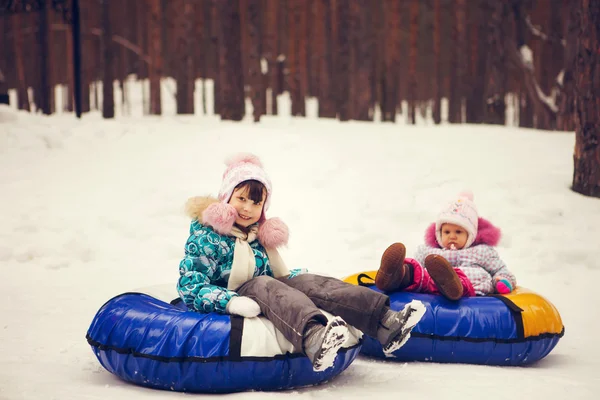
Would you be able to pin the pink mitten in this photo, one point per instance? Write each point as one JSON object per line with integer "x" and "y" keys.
{"x": 503, "y": 286}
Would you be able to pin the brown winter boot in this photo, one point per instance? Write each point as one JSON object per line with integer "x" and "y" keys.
{"x": 393, "y": 274}
{"x": 444, "y": 276}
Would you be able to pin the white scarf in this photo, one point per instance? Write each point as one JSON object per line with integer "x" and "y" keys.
{"x": 243, "y": 266}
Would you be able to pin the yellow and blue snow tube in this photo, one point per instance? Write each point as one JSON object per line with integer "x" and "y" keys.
{"x": 163, "y": 345}
{"x": 515, "y": 329}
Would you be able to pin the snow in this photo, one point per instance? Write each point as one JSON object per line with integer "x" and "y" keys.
{"x": 94, "y": 208}
{"x": 527, "y": 56}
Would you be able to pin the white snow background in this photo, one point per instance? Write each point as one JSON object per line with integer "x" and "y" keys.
{"x": 93, "y": 208}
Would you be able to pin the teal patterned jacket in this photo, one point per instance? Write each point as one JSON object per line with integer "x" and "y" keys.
{"x": 205, "y": 269}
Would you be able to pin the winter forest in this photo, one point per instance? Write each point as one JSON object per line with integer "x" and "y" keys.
{"x": 367, "y": 115}
{"x": 352, "y": 56}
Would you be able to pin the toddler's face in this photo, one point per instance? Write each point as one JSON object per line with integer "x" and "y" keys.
{"x": 248, "y": 211}
{"x": 453, "y": 236}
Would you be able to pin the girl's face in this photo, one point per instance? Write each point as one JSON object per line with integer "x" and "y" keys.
{"x": 453, "y": 236}
{"x": 249, "y": 211}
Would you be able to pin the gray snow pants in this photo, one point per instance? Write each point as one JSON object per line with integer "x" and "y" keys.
{"x": 291, "y": 303}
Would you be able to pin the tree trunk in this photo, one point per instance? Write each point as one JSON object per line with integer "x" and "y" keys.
{"x": 461, "y": 58}
{"x": 390, "y": 78}
{"x": 253, "y": 68}
{"x": 342, "y": 65}
{"x": 185, "y": 62}
{"x": 231, "y": 78}
{"x": 270, "y": 51}
{"x": 297, "y": 56}
{"x": 108, "y": 99}
{"x": 87, "y": 54}
{"x": 566, "y": 102}
{"x": 437, "y": 68}
{"x": 412, "y": 66}
{"x": 496, "y": 70}
{"x": 22, "y": 95}
{"x": 46, "y": 94}
{"x": 586, "y": 174}
{"x": 362, "y": 61}
{"x": 215, "y": 29}
{"x": 155, "y": 50}
{"x": 68, "y": 102}
{"x": 324, "y": 48}
{"x": 544, "y": 110}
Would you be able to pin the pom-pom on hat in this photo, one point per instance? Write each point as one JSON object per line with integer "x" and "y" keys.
{"x": 462, "y": 212}
{"x": 240, "y": 168}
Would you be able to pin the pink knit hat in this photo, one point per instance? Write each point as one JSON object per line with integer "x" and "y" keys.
{"x": 462, "y": 212}
{"x": 221, "y": 215}
{"x": 240, "y": 168}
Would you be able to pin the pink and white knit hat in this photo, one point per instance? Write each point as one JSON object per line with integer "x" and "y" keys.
{"x": 240, "y": 168}
{"x": 462, "y": 212}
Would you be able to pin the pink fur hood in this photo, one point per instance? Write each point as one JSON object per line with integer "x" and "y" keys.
{"x": 487, "y": 233}
{"x": 272, "y": 233}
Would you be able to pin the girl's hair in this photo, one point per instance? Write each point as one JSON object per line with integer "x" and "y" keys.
{"x": 255, "y": 189}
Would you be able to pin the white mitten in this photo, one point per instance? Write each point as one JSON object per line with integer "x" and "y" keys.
{"x": 243, "y": 306}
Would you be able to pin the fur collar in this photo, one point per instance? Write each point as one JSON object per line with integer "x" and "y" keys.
{"x": 272, "y": 233}
{"x": 486, "y": 234}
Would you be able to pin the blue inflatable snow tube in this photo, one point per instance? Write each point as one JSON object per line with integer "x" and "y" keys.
{"x": 514, "y": 329}
{"x": 155, "y": 344}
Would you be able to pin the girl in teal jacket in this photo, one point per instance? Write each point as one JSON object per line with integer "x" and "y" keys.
{"x": 232, "y": 266}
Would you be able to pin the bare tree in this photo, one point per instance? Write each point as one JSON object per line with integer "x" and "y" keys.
{"x": 184, "y": 56}
{"x": 361, "y": 54}
{"x": 412, "y": 65}
{"x": 108, "y": 100}
{"x": 45, "y": 93}
{"x": 437, "y": 71}
{"x": 391, "y": 48}
{"x": 496, "y": 64}
{"x": 231, "y": 78}
{"x": 22, "y": 96}
{"x": 269, "y": 43}
{"x": 155, "y": 50}
{"x": 586, "y": 173}
{"x": 253, "y": 67}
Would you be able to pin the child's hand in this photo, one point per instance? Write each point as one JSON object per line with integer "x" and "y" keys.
{"x": 503, "y": 286}
{"x": 243, "y": 306}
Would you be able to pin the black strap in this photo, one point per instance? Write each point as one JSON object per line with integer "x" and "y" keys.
{"x": 360, "y": 277}
{"x": 515, "y": 311}
{"x": 235, "y": 337}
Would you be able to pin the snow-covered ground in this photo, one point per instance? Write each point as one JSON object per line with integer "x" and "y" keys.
{"x": 93, "y": 208}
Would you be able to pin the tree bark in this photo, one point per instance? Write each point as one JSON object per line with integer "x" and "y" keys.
{"x": 185, "y": 62}
{"x": 566, "y": 102}
{"x": 461, "y": 58}
{"x": 297, "y": 56}
{"x": 390, "y": 76}
{"x": 215, "y": 29}
{"x": 544, "y": 110}
{"x": 46, "y": 87}
{"x": 253, "y": 69}
{"x": 412, "y": 66}
{"x": 496, "y": 69}
{"x": 363, "y": 52}
{"x": 437, "y": 70}
{"x": 342, "y": 61}
{"x": 270, "y": 51}
{"x": 108, "y": 100}
{"x": 324, "y": 48}
{"x": 231, "y": 78}
{"x": 586, "y": 174}
{"x": 22, "y": 95}
{"x": 155, "y": 50}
